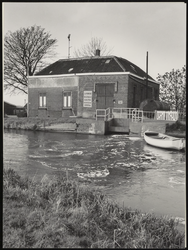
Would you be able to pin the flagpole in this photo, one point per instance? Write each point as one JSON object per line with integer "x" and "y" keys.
{"x": 69, "y": 46}
{"x": 147, "y": 75}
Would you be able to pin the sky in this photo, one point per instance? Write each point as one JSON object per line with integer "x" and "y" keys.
{"x": 129, "y": 29}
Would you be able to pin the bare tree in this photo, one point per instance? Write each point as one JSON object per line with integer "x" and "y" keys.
{"x": 89, "y": 49}
{"x": 25, "y": 52}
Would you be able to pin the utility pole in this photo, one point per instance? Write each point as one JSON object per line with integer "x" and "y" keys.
{"x": 147, "y": 75}
{"x": 69, "y": 46}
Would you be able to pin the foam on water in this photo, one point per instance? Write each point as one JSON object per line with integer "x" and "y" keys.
{"x": 94, "y": 174}
{"x": 38, "y": 156}
{"x": 180, "y": 220}
{"x": 47, "y": 165}
{"x": 135, "y": 138}
{"x": 77, "y": 152}
{"x": 180, "y": 171}
{"x": 175, "y": 181}
{"x": 122, "y": 136}
{"x": 72, "y": 153}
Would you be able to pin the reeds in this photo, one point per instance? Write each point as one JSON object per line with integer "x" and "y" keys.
{"x": 60, "y": 213}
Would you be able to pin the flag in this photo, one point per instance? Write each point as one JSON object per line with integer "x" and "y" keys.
{"x": 69, "y": 37}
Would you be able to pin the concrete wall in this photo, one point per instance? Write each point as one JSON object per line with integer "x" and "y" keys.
{"x": 91, "y": 126}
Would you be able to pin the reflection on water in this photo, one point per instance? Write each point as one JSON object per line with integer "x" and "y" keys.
{"x": 165, "y": 154}
{"x": 128, "y": 170}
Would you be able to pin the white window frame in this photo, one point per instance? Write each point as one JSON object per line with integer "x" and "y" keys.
{"x": 67, "y": 99}
{"x": 42, "y": 100}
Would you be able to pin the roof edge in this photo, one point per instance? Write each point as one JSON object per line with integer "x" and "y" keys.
{"x": 85, "y": 57}
{"x": 89, "y": 74}
{"x": 116, "y": 59}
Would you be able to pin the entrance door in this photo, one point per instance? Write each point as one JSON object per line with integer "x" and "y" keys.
{"x": 105, "y": 95}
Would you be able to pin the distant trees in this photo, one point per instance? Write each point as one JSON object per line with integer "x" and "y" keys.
{"x": 89, "y": 49}
{"x": 25, "y": 52}
{"x": 173, "y": 88}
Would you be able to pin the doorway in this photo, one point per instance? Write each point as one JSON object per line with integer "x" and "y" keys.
{"x": 105, "y": 95}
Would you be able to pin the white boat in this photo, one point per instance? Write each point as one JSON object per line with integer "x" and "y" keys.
{"x": 164, "y": 141}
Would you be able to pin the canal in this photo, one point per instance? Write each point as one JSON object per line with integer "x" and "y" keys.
{"x": 136, "y": 175}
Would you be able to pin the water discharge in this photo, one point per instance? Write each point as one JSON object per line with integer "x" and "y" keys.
{"x": 129, "y": 171}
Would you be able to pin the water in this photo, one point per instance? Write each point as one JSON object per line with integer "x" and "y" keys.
{"x": 133, "y": 173}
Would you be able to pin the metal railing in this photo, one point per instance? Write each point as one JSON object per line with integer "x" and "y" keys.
{"x": 148, "y": 114}
{"x": 134, "y": 114}
{"x": 103, "y": 113}
{"x": 137, "y": 115}
{"x": 125, "y": 113}
{"x": 166, "y": 115}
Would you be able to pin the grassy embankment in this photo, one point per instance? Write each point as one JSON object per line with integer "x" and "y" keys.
{"x": 61, "y": 213}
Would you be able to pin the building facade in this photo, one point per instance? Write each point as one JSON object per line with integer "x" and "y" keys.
{"x": 77, "y": 87}
{"x": 11, "y": 109}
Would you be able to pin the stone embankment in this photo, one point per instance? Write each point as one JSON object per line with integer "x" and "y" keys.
{"x": 40, "y": 124}
{"x": 72, "y": 124}
{"x": 91, "y": 126}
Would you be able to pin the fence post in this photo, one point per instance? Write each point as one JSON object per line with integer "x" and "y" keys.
{"x": 155, "y": 115}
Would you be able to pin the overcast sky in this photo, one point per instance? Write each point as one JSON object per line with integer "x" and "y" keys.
{"x": 129, "y": 29}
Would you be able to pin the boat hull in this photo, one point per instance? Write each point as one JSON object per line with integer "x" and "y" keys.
{"x": 164, "y": 141}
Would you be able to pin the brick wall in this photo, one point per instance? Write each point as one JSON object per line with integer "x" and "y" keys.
{"x": 137, "y": 92}
{"x": 87, "y": 83}
{"x": 53, "y": 88}
{"x": 125, "y": 87}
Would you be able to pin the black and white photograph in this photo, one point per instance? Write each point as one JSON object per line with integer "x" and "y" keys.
{"x": 94, "y": 125}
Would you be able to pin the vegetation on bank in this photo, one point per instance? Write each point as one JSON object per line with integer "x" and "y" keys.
{"x": 61, "y": 213}
{"x": 178, "y": 127}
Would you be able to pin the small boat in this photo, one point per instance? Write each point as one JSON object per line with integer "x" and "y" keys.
{"x": 164, "y": 141}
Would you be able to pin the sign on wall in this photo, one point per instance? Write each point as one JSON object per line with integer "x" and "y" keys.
{"x": 87, "y": 100}
{"x": 120, "y": 102}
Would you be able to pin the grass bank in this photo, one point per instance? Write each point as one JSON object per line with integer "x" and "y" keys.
{"x": 62, "y": 213}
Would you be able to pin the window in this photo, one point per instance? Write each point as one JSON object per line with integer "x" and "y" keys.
{"x": 107, "y": 61}
{"x": 67, "y": 99}
{"x": 42, "y": 100}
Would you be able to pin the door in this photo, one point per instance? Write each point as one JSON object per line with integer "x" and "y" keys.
{"x": 105, "y": 95}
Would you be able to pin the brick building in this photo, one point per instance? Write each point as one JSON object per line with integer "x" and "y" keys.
{"x": 79, "y": 86}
